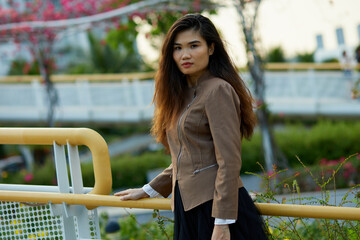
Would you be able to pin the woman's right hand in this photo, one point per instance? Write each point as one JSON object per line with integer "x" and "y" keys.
{"x": 132, "y": 194}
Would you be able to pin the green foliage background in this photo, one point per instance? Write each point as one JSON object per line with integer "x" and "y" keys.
{"x": 326, "y": 139}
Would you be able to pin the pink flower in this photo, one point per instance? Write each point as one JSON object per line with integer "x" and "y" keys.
{"x": 323, "y": 162}
{"x": 258, "y": 103}
{"x": 26, "y": 68}
{"x": 332, "y": 163}
{"x": 271, "y": 174}
{"x": 348, "y": 165}
{"x": 28, "y": 177}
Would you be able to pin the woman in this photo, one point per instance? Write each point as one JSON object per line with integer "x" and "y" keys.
{"x": 202, "y": 111}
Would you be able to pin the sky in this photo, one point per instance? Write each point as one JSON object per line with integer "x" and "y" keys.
{"x": 293, "y": 25}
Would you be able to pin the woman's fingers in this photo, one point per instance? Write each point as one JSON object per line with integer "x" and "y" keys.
{"x": 132, "y": 194}
{"x": 122, "y": 193}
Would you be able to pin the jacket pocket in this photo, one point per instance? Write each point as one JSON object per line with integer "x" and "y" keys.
{"x": 204, "y": 168}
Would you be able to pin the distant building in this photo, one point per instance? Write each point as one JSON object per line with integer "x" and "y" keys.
{"x": 323, "y": 54}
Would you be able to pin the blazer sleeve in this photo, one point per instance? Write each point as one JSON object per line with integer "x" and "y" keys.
{"x": 162, "y": 183}
{"x": 222, "y": 108}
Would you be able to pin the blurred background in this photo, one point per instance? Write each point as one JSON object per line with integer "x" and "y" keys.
{"x": 71, "y": 63}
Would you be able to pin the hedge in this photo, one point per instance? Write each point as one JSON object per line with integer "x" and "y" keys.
{"x": 326, "y": 139}
{"x": 129, "y": 170}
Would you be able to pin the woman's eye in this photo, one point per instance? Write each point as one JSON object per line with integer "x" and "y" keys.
{"x": 177, "y": 48}
{"x": 194, "y": 46}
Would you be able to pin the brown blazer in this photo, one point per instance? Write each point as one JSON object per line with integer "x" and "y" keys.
{"x": 205, "y": 149}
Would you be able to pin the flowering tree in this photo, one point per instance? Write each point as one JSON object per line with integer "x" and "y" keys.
{"x": 40, "y": 23}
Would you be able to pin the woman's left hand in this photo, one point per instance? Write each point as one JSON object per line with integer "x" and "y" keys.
{"x": 221, "y": 232}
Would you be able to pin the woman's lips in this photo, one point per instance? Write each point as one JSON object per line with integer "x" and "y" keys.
{"x": 187, "y": 65}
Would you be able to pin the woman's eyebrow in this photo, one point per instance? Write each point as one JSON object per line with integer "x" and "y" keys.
{"x": 195, "y": 41}
{"x": 192, "y": 42}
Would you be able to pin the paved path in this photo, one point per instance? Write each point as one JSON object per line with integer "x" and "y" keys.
{"x": 128, "y": 145}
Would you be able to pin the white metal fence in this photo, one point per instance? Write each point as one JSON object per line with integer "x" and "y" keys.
{"x": 306, "y": 93}
{"x": 22, "y": 218}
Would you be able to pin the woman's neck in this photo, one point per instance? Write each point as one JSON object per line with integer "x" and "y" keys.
{"x": 193, "y": 80}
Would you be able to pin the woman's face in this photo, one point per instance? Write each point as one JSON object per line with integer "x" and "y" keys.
{"x": 191, "y": 54}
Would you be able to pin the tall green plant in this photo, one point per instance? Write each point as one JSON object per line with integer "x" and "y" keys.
{"x": 115, "y": 54}
{"x": 302, "y": 228}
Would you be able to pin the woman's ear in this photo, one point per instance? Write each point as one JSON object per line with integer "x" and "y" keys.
{"x": 211, "y": 49}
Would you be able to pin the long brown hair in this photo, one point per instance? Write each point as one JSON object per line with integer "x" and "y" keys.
{"x": 170, "y": 83}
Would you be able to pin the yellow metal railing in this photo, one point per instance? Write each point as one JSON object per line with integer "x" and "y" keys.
{"x": 150, "y": 75}
{"x": 80, "y": 77}
{"x": 92, "y": 200}
{"x": 73, "y": 136}
{"x": 99, "y": 196}
{"x": 304, "y": 66}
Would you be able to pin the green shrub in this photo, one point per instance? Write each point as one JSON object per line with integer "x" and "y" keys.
{"x": 325, "y": 139}
{"x": 130, "y": 229}
{"x": 305, "y": 57}
{"x": 252, "y": 153}
{"x": 276, "y": 54}
{"x": 128, "y": 170}
{"x": 42, "y": 175}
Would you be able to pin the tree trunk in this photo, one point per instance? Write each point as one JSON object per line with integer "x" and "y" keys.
{"x": 272, "y": 154}
{"x": 51, "y": 92}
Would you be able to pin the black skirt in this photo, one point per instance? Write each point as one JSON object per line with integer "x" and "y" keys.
{"x": 197, "y": 223}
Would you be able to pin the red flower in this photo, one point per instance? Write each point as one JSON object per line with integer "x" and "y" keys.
{"x": 103, "y": 42}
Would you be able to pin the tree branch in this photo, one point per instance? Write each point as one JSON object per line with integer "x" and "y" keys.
{"x": 83, "y": 20}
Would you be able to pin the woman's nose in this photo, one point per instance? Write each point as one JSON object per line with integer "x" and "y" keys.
{"x": 186, "y": 54}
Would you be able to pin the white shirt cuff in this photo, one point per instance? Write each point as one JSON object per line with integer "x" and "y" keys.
{"x": 150, "y": 191}
{"x": 219, "y": 221}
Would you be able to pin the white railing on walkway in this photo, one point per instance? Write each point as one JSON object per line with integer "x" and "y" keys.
{"x": 289, "y": 93}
